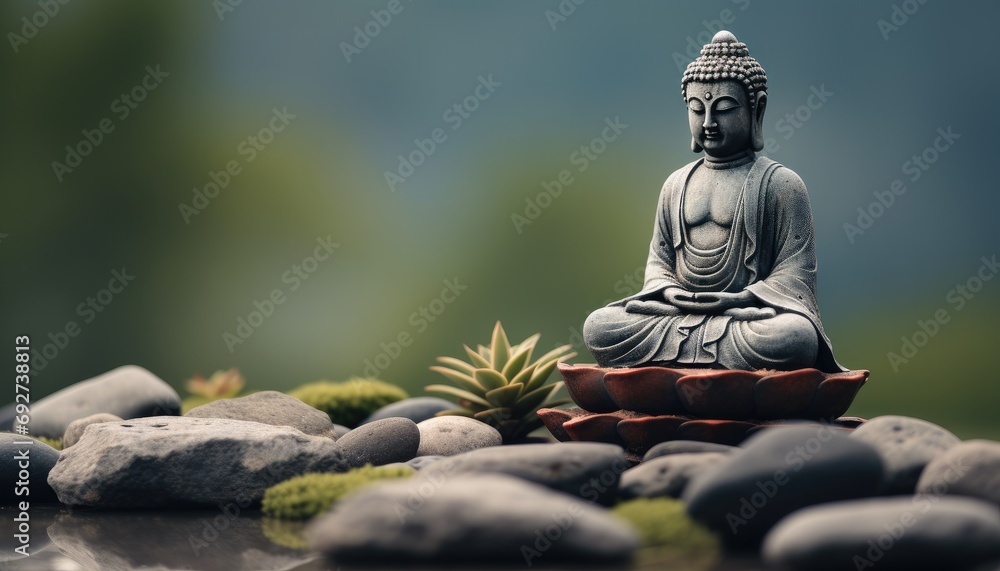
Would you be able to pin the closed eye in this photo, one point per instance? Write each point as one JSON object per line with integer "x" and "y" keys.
{"x": 727, "y": 103}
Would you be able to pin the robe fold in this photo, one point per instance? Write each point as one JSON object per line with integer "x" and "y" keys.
{"x": 770, "y": 252}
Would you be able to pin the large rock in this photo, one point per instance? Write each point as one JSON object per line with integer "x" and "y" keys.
{"x": 778, "y": 471}
{"x": 128, "y": 392}
{"x": 473, "y": 518}
{"x": 666, "y": 475}
{"x": 75, "y": 429}
{"x": 269, "y": 407}
{"x": 886, "y": 534}
{"x": 417, "y": 409}
{"x": 907, "y": 445}
{"x": 450, "y": 435}
{"x": 171, "y": 461}
{"x": 381, "y": 442}
{"x": 971, "y": 468}
{"x": 589, "y": 470}
{"x": 40, "y": 460}
{"x": 686, "y": 447}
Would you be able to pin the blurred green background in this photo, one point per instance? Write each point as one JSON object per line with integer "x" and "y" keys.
{"x": 363, "y": 87}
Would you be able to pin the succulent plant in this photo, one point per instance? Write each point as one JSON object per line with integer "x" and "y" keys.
{"x": 309, "y": 495}
{"x": 221, "y": 385}
{"x": 500, "y": 384}
{"x": 349, "y": 402}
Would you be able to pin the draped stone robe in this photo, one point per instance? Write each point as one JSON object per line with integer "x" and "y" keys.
{"x": 770, "y": 252}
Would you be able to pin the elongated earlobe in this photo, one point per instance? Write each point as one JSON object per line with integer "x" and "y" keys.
{"x": 695, "y": 146}
{"x": 757, "y": 123}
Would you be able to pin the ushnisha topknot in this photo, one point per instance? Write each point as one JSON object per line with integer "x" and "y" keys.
{"x": 726, "y": 58}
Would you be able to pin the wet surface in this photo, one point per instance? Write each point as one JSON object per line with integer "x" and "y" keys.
{"x": 213, "y": 540}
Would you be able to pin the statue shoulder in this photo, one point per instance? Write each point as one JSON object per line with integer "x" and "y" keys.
{"x": 677, "y": 177}
{"x": 784, "y": 182}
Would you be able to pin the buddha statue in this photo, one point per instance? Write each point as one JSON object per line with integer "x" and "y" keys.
{"x": 730, "y": 281}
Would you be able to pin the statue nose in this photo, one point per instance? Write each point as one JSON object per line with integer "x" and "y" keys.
{"x": 709, "y": 122}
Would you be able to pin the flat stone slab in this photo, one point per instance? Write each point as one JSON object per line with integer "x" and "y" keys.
{"x": 128, "y": 392}
{"x": 891, "y": 534}
{"x": 177, "y": 461}
{"x": 269, "y": 407}
{"x": 472, "y": 518}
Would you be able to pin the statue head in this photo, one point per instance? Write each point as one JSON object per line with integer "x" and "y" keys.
{"x": 725, "y": 91}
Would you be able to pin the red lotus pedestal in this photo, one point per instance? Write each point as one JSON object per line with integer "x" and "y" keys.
{"x": 640, "y": 407}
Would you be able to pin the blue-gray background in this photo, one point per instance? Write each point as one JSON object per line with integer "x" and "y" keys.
{"x": 888, "y": 93}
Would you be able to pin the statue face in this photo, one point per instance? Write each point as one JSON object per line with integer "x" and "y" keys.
{"x": 719, "y": 116}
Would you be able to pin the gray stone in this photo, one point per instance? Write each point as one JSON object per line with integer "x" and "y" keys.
{"x": 666, "y": 475}
{"x": 269, "y": 407}
{"x": 226, "y": 537}
{"x": 886, "y": 534}
{"x": 41, "y": 458}
{"x": 381, "y": 442}
{"x": 75, "y": 429}
{"x": 474, "y": 518}
{"x": 776, "y": 472}
{"x": 686, "y": 447}
{"x": 450, "y": 435}
{"x": 176, "y": 461}
{"x": 340, "y": 430}
{"x": 417, "y": 409}
{"x": 421, "y": 462}
{"x": 589, "y": 470}
{"x": 128, "y": 392}
{"x": 971, "y": 468}
{"x": 907, "y": 445}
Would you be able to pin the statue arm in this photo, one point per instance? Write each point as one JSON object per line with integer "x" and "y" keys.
{"x": 789, "y": 281}
{"x": 661, "y": 264}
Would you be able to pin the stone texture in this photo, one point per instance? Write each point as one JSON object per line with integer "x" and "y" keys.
{"x": 778, "y": 471}
{"x": 886, "y": 534}
{"x": 128, "y": 392}
{"x": 340, "y": 429}
{"x": 269, "y": 407}
{"x": 906, "y": 445}
{"x": 421, "y": 462}
{"x": 175, "y": 461}
{"x": 971, "y": 468}
{"x": 381, "y": 442}
{"x": 473, "y": 518}
{"x": 588, "y": 470}
{"x": 450, "y": 435}
{"x": 666, "y": 475}
{"x": 41, "y": 459}
{"x": 75, "y": 429}
{"x": 417, "y": 409}
{"x": 686, "y": 447}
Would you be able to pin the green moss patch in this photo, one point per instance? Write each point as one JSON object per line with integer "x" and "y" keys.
{"x": 310, "y": 495}
{"x": 349, "y": 402}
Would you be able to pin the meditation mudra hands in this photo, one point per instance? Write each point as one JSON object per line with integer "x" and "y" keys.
{"x": 741, "y": 306}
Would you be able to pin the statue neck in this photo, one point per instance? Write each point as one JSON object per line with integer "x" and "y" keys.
{"x": 729, "y": 162}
